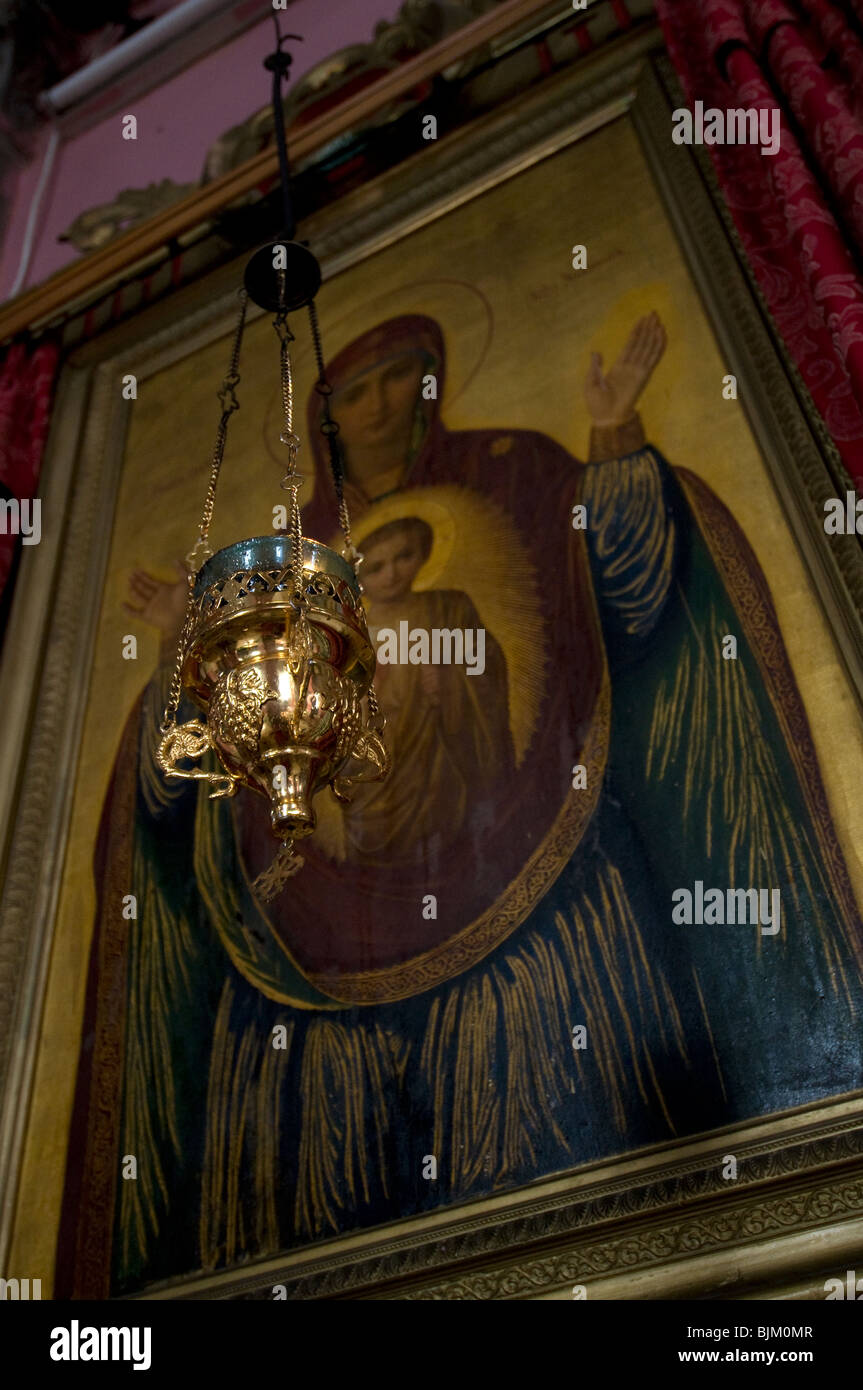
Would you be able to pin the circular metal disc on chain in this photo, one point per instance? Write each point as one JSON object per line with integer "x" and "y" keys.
{"x": 301, "y": 270}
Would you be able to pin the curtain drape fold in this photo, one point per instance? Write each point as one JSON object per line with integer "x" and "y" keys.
{"x": 26, "y": 392}
{"x": 799, "y": 212}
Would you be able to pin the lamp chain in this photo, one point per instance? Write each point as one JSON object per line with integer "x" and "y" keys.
{"x": 292, "y": 480}
{"x": 229, "y": 403}
{"x": 201, "y": 551}
{"x": 330, "y": 430}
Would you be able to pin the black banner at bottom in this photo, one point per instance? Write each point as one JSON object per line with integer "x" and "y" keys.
{"x": 155, "y": 1338}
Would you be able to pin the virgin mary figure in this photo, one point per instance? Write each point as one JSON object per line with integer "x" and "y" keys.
{"x": 512, "y": 1000}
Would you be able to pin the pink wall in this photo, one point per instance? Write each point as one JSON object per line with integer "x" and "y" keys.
{"x": 176, "y": 125}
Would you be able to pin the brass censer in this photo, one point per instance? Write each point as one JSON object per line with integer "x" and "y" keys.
{"x": 275, "y": 649}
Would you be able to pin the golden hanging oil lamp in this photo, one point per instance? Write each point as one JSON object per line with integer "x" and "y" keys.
{"x": 275, "y": 648}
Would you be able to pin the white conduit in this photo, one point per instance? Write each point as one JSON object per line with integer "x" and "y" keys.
{"x": 149, "y": 40}
{"x": 34, "y": 213}
{"x": 154, "y": 36}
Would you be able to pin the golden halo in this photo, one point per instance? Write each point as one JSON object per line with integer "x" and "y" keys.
{"x": 477, "y": 549}
{"x": 464, "y": 313}
{"x": 423, "y": 504}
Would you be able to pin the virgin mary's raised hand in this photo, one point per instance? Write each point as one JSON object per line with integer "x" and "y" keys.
{"x": 611, "y": 396}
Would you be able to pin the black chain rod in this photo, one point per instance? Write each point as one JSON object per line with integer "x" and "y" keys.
{"x": 329, "y": 427}
{"x": 279, "y": 64}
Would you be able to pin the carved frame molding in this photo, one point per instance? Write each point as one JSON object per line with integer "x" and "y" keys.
{"x": 604, "y": 1226}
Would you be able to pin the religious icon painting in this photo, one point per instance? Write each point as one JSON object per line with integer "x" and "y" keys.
{"x": 607, "y": 902}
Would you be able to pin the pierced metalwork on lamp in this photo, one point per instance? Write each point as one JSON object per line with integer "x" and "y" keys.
{"x": 275, "y": 648}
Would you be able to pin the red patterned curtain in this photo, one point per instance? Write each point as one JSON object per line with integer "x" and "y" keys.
{"x": 799, "y": 212}
{"x": 26, "y": 389}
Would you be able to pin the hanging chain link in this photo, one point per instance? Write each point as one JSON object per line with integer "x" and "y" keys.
{"x": 286, "y": 337}
{"x": 170, "y": 716}
{"x": 229, "y": 403}
{"x": 201, "y": 551}
{"x": 292, "y": 480}
{"x": 330, "y": 430}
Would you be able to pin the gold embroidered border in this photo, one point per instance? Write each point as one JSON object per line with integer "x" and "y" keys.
{"x": 468, "y": 946}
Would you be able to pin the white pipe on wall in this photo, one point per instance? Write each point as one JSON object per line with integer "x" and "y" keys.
{"x": 135, "y": 50}
{"x": 34, "y": 213}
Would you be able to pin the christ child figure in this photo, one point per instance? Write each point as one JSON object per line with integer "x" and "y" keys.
{"x": 448, "y": 725}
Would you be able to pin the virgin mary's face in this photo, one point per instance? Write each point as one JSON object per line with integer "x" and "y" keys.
{"x": 377, "y": 407}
